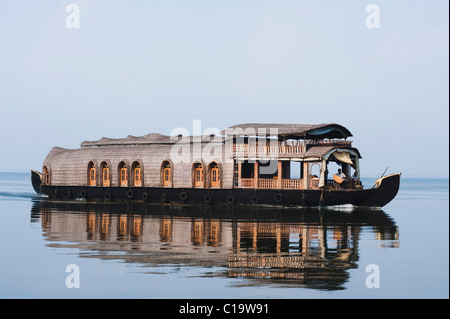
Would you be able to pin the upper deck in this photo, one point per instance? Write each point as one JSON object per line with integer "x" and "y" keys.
{"x": 285, "y": 149}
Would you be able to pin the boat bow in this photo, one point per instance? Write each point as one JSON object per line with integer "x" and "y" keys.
{"x": 384, "y": 190}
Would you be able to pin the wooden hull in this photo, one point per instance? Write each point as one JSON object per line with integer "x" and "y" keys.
{"x": 374, "y": 197}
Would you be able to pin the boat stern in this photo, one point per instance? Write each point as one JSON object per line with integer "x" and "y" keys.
{"x": 36, "y": 181}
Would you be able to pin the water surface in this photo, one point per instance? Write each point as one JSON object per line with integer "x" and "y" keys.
{"x": 195, "y": 251}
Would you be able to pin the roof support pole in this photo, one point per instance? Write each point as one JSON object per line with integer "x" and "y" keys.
{"x": 239, "y": 173}
{"x": 323, "y": 178}
{"x": 305, "y": 175}
{"x": 280, "y": 175}
{"x": 256, "y": 173}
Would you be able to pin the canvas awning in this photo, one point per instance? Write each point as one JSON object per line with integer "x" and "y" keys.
{"x": 343, "y": 157}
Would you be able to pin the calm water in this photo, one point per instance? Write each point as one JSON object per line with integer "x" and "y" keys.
{"x": 153, "y": 251}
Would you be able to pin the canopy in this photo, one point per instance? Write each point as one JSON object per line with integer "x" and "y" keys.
{"x": 342, "y": 155}
{"x": 290, "y": 131}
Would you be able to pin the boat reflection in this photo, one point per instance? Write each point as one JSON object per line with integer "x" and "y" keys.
{"x": 302, "y": 247}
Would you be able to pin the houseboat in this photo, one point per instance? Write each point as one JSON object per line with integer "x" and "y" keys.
{"x": 253, "y": 164}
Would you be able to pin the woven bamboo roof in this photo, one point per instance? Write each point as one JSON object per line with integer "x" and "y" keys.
{"x": 286, "y": 131}
{"x": 153, "y": 138}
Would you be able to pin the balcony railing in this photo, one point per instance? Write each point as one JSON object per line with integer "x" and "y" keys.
{"x": 272, "y": 183}
{"x": 242, "y": 149}
{"x": 267, "y": 183}
{"x": 282, "y": 148}
{"x": 247, "y": 183}
{"x": 292, "y": 183}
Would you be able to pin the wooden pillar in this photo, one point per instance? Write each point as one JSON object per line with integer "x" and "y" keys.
{"x": 280, "y": 175}
{"x": 305, "y": 175}
{"x": 255, "y": 236}
{"x": 278, "y": 232}
{"x": 256, "y": 174}
{"x": 239, "y": 174}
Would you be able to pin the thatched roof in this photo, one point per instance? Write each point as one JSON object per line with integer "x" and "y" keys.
{"x": 286, "y": 131}
{"x": 289, "y": 131}
{"x": 153, "y": 138}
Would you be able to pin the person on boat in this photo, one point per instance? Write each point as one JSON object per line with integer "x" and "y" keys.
{"x": 356, "y": 180}
{"x": 343, "y": 178}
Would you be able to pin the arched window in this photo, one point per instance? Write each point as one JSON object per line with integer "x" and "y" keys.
{"x": 137, "y": 174}
{"x": 45, "y": 176}
{"x": 198, "y": 175}
{"x": 123, "y": 174}
{"x": 214, "y": 175}
{"x": 166, "y": 174}
{"x": 91, "y": 174}
{"x": 106, "y": 178}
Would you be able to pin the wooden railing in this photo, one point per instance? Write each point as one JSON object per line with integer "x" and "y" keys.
{"x": 268, "y": 149}
{"x": 292, "y": 183}
{"x": 267, "y": 183}
{"x": 247, "y": 182}
{"x": 271, "y": 183}
{"x": 281, "y": 148}
{"x": 329, "y": 142}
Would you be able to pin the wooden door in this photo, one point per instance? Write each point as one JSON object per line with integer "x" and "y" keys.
{"x": 106, "y": 180}
{"x": 215, "y": 177}
{"x": 46, "y": 175}
{"x": 92, "y": 176}
{"x": 137, "y": 177}
{"x": 166, "y": 177}
{"x": 198, "y": 177}
{"x": 123, "y": 177}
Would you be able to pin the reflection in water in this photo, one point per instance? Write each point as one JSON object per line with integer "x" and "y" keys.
{"x": 303, "y": 247}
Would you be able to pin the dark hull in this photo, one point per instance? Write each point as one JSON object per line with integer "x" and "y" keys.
{"x": 373, "y": 197}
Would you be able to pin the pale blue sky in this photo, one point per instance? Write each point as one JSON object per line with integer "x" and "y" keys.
{"x": 137, "y": 67}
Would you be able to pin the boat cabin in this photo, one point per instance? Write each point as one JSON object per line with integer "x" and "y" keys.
{"x": 254, "y": 156}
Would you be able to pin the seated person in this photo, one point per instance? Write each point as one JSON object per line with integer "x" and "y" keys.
{"x": 356, "y": 179}
{"x": 343, "y": 177}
